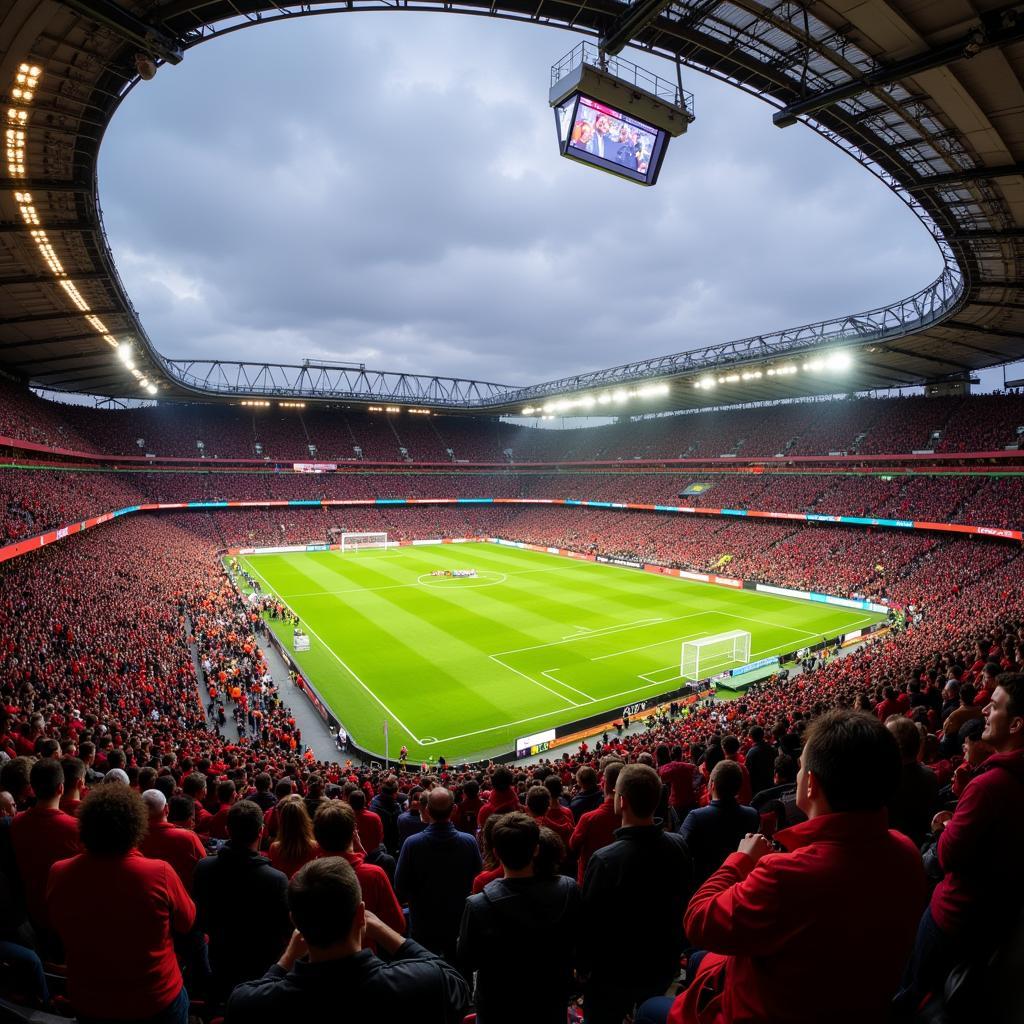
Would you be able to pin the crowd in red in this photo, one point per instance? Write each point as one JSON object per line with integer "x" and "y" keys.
{"x": 35, "y": 500}
{"x": 848, "y": 426}
{"x": 116, "y": 645}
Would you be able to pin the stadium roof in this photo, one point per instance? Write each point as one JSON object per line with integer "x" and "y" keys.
{"x": 928, "y": 97}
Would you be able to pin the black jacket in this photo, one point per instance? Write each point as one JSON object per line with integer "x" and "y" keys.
{"x": 641, "y": 882}
{"x": 240, "y": 904}
{"x": 711, "y": 833}
{"x": 760, "y": 762}
{"x": 509, "y": 916}
{"x": 414, "y": 985}
{"x": 586, "y": 801}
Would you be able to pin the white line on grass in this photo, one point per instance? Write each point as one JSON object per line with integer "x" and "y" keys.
{"x": 550, "y": 673}
{"x": 582, "y": 631}
{"x": 415, "y": 583}
{"x": 596, "y": 700}
{"x": 536, "y": 682}
{"x": 657, "y": 643}
{"x": 334, "y": 653}
{"x": 604, "y": 632}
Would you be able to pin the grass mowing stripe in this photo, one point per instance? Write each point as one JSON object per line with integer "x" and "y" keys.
{"x": 426, "y": 648}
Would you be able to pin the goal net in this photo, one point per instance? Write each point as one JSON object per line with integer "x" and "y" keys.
{"x": 711, "y": 654}
{"x": 362, "y": 541}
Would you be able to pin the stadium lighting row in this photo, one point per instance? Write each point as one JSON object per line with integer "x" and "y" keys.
{"x": 616, "y": 397}
{"x": 832, "y": 362}
{"x": 22, "y": 93}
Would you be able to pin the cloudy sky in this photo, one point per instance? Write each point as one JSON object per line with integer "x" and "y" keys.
{"x": 386, "y": 189}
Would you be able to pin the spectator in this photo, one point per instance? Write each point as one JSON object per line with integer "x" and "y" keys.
{"x": 596, "y": 829}
{"x": 972, "y": 909}
{"x": 143, "y": 900}
{"x": 386, "y": 806}
{"x": 414, "y": 819}
{"x": 41, "y": 836}
{"x": 368, "y": 823}
{"x": 760, "y": 761}
{"x": 502, "y": 797}
{"x": 335, "y": 831}
{"x": 773, "y": 955}
{"x": 646, "y": 876}
{"x": 958, "y": 718}
{"x": 681, "y": 776}
{"x": 326, "y": 971}
{"x": 263, "y": 798}
{"x": 538, "y": 806}
{"x": 295, "y": 844}
{"x": 74, "y": 784}
{"x": 163, "y": 841}
{"x": 515, "y": 912}
{"x": 588, "y": 796}
{"x": 467, "y": 810}
{"x": 218, "y": 821}
{"x": 711, "y": 833}
{"x": 916, "y": 799}
{"x": 241, "y": 902}
{"x": 435, "y": 874}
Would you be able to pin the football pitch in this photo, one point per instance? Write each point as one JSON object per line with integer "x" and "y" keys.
{"x": 463, "y": 666}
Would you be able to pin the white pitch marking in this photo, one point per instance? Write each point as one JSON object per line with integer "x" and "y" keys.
{"x": 339, "y": 661}
{"x": 536, "y": 682}
{"x": 550, "y": 673}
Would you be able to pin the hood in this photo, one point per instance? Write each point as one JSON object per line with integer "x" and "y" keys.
{"x": 527, "y": 901}
{"x": 1013, "y": 762}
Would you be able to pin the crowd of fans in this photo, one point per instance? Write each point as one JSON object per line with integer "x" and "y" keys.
{"x": 33, "y": 500}
{"x": 848, "y": 426}
{"x": 834, "y": 844}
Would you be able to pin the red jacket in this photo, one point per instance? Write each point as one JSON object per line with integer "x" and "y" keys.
{"x": 594, "y": 830}
{"x": 985, "y": 833}
{"x": 497, "y": 803}
{"x": 370, "y": 828}
{"x": 142, "y": 901}
{"x": 377, "y": 892}
{"x": 40, "y": 838}
{"x": 788, "y": 936}
{"x": 179, "y": 847}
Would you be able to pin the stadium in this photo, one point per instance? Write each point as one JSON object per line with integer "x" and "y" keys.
{"x": 687, "y": 688}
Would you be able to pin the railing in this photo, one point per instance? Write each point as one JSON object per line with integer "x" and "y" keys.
{"x": 619, "y": 67}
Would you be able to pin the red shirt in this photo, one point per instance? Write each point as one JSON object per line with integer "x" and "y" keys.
{"x": 370, "y": 828}
{"x": 497, "y": 803}
{"x": 142, "y": 901}
{"x": 202, "y": 819}
{"x": 40, "y": 838}
{"x": 486, "y": 876}
{"x": 682, "y": 777}
{"x": 594, "y": 830}
{"x": 216, "y": 825}
{"x": 784, "y": 933}
{"x": 181, "y": 848}
{"x": 377, "y": 892}
{"x": 289, "y": 867}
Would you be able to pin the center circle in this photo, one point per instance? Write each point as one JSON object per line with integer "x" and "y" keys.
{"x": 483, "y": 578}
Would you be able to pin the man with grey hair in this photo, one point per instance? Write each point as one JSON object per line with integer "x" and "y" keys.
{"x": 179, "y": 847}
{"x": 117, "y": 775}
{"x": 435, "y": 874}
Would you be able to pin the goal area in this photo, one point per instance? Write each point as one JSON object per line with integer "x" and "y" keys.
{"x": 364, "y": 541}
{"x": 709, "y": 655}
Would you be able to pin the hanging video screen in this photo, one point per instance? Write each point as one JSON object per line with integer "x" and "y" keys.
{"x": 593, "y": 133}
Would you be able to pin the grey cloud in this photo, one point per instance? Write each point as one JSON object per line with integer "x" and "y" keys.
{"x": 388, "y": 189}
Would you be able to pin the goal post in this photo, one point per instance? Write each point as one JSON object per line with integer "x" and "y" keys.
{"x": 363, "y": 541}
{"x": 702, "y": 658}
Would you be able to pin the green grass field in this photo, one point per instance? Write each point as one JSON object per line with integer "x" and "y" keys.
{"x": 463, "y": 666}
